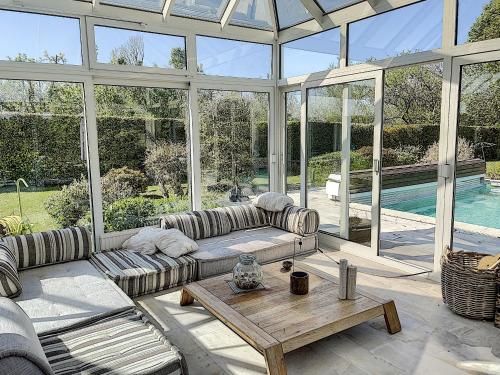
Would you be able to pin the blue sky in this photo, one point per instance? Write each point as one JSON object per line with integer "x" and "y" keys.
{"x": 416, "y": 27}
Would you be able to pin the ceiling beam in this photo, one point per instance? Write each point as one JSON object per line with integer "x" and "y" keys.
{"x": 274, "y": 22}
{"x": 313, "y": 8}
{"x": 167, "y": 8}
{"x": 373, "y": 3}
{"x": 95, "y": 4}
{"x": 228, "y": 13}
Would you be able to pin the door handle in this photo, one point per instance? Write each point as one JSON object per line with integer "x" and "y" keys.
{"x": 376, "y": 166}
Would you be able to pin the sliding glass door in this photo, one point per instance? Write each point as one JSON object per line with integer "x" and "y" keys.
{"x": 342, "y": 156}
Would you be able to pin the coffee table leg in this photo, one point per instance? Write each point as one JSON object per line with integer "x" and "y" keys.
{"x": 186, "y": 298}
{"x": 391, "y": 318}
{"x": 275, "y": 360}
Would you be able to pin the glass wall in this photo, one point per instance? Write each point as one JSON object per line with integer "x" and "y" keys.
{"x": 477, "y": 20}
{"x": 412, "y": 114}
{"x": 413, "y": 28}
{"x": 131, "y": 47}
{"x": 311, "y": 54}
{"x": 143, "y": 154}
{"x": 292, "y": 146}
{"x": 43, "y": 149}
{"x": 225, "y": 57}
{"x": 38, "y": 38}
{"x": 234, "y": 146}
{"x": 477, "y": 184}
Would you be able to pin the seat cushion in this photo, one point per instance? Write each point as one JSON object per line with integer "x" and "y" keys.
{"x": 125, "y": 343}
{"x": 10, "y": 286}
{"x": 245, "y": 216}
{"x": 220, "y": 254}
{"x": 137, "y": 274}
{"x": 54, "y": 246}
{"x": 59, "y": 296}
{"x": 198, "y": 224}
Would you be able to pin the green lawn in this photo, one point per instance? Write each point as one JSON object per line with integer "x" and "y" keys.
{"x": 493, "y": 169}
{"x": 32, "y": 200}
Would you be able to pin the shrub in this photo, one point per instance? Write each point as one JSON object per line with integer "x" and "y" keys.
{"x": 128, "y": 213}
{"x": 70, "y": 204}
{"x": 493, "y": 170}
{"x": 123, "y": 183}
{"x": 465, "y": 151}
{"x": 166, "y": 164}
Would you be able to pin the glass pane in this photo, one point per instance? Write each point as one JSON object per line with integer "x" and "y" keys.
{"x": 253, "y": 13}
{"x": 410, "y": 29}
{"x": 331, "y": 5}
{"x": 311, "y": 54}
{"x": 210, "y": 10}
{"x": 234, "y": 146}
{"x": 477, "y": 186}
{"x": 412, "y": 113}
{"x": 130, "y": 47}
{"x": 292, "y": 121}
{"x": 39, "y": 38}
{"x": 291, "y": 12}
{"x": 478, "y": 20}
{"x": 226, "y": 57}
{"x": 143, "y": 154}
{"x": 43, "y": 141}
{"x": 328, "y": 107}
{"x": 149, "y": 5}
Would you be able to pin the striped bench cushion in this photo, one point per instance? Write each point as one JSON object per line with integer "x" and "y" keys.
{"x": 198, "y": 224}
{"x": 138, "y": 274}
{"x": 126, "y": 343}
{"x": 10, "y": 286}
{"x": 296, "y": 220}
{"x": 54, "y": 246}
{"x": 245, "y": 216}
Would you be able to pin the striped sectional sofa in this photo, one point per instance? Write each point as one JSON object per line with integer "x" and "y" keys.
{"x": 222, "y": 235}
{"x": 63, "y": 316}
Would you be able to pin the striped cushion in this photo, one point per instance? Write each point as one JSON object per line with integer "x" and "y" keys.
{"x": 296, "y": 220}
{"x": 138, "y": 274}
{"x": 54, "y": 246}
{"x": 198, "y": 224}
{"x": 125, "y": 343}
{"x": 245, "y": 216}
{"x": 10, "y": 286}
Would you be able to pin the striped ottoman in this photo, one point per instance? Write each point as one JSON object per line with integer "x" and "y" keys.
{"x": 138, "y": 274}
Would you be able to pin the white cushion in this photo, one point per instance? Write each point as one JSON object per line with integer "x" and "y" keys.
{"x": 174, "y": 243}
{"x": 142, "y": 242}
{"x": 62, "y": 295}
{"x": 273, "y": 202}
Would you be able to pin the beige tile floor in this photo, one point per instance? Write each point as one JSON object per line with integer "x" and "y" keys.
{"x": 433, "y": 339}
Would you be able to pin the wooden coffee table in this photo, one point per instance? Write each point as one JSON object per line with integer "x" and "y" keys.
{"x": 274, "y": 321}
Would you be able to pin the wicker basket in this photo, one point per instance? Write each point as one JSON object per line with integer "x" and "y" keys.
{"x": 466, "y": 290}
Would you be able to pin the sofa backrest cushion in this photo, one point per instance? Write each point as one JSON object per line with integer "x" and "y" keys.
{"x": 296, "y": 220}
{"x": 54, "y": 246}
{"x": 198, "y": 224}
{"x": 10, "y": 286}
{"x": 245, "y": 216}
{"x": 19, "y": 344}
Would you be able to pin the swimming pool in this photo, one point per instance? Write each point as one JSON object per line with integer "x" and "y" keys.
{"x": 479, "y": 206}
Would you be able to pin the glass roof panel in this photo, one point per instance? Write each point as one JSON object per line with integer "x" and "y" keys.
{"x": 291, "y": 12}
{"x": 210, "y": 10}
{"x": 148, "y": 5}
{"x": 253, "y": 13}
{"x": 331, "y": 5}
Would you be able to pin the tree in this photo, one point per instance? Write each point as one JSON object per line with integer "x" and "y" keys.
{"x": 129, "y": 53}
{"x": 178, "y": 58}
{"x": 166, "y": 164}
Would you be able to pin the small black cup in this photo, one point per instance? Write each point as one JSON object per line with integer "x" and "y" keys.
{"x": 299, "y": 283}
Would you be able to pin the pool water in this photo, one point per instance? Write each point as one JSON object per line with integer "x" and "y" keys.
{"x": 479, "y": 206}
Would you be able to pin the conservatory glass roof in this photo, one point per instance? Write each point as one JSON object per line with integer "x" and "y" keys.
{"x": 256, "y": 14}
